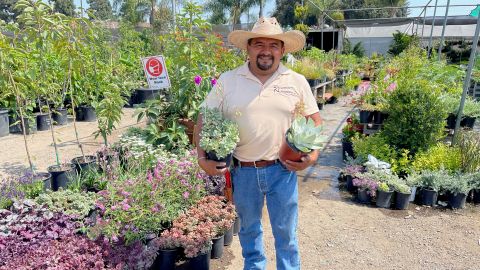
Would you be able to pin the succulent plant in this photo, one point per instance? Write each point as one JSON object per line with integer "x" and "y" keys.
{"x": 305, "y": 136}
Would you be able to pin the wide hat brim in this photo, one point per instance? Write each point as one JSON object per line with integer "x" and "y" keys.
{"x": 293, "y": 40}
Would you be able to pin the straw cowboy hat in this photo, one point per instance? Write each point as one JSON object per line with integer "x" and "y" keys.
{"x": 268, "y": 28}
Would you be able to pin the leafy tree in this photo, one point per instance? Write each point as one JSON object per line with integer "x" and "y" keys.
{"x": 285, "y": 12}
{"x": 235, "y": 8}
{"x": 357, "y": 49}
{"x": 100, "y": 9}
{"x": 401, "y": 41}
{"x": 7, "y": 12}
{"x": 64, "y": 6}
{"x": 377, "y": 13}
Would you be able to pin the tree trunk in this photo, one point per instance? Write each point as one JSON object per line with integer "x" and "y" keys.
{"x": 152, "y": 13}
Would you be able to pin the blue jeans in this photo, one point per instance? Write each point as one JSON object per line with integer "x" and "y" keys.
{"x": 279, "y": 186}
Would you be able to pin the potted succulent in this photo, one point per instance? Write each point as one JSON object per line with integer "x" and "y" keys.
{"x": 350, "y": 171}
{"x": 300, "y": 139}
{"x": 219, "y": 136}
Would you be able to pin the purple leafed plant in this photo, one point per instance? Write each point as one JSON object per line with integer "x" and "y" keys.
{"x": 365, "y": 183}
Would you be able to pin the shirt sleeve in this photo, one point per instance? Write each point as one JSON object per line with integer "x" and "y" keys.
{"x": 215, "y": 96}
{"x": 309, "y": 100}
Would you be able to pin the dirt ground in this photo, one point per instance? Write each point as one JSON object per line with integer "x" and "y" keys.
{"x": 334, "y": 231}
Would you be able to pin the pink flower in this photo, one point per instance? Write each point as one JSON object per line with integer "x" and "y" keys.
{"x": 186, "y": 194}
{"x": 197, "y": 80}
{"x": 214, "y": 82}
{"x": 391, "y": 87}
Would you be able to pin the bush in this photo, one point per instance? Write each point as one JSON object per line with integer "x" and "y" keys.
{"x": 401, "y": 41}
{"x": 438, "y": 157}
{"x": 421, "y": 129}
{"x": 375, "y": 145}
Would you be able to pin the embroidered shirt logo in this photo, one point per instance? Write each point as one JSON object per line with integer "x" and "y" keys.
{"x": 285, "y": 90}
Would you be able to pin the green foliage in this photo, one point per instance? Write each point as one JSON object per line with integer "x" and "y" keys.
{"x": 69, "y": 202}
{"x": 100, "y": 9}
{"x": 309, "y": 68}
{"x": 402, "y": 41}
{"x": 357, "y": 49}
{"x": 402, "y": 164}
{"x": 7, "y": 12}
{"x": 471, "y": 108}
{"x": 302, "y": 27}
{"x": 434, "y": 179}
{"x": 419, "y": 130}
{"x": 109, "y": 112}
{"x": 458, "y": 183}
{"x": 375, "y": 145}
{"x": 172, "y": 136}
{"x": 439, "y": 156}
{"x": 383, "y": 187}
{"x": 469, "y": 144}
{"x": 305, "y": 135}
{"x": 219, "y": 135}
{"x": 66, "y": 7}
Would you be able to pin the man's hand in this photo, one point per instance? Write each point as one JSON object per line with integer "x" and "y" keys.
{"x": 305, "y": 162}
{"x": 210, "y": 166}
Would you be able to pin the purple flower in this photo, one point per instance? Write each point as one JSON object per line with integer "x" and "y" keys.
{"x": 125, "y": 206}
{"x": 198, "y": 80}
{"x": 214, "y": 82}
{"x": 186, "y": 194}
{"x": 391, "y": 87}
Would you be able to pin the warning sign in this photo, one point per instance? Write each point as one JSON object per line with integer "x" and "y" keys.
{"x": 156, "y": 72}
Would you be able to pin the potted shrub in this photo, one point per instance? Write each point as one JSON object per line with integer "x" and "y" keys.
{"x": 458, "y": 187}
{"x": 430, "y": 184}
{"x": 311, "y": 69}
{"x": 300, "y": 139}
{"x": 168, "y": 243}
{"x": 384, "y": 195}
{"x": 219, "y": 136}
{"x": 403, "y": 193}
{"x": 471, "y": 111}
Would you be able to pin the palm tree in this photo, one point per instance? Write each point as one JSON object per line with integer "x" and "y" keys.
{"x": 234, "y": 7}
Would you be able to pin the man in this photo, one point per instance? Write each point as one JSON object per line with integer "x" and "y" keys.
{"x": 261, "y": 96}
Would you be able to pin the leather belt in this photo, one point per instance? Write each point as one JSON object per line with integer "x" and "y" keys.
{"x": 256, "y": 164}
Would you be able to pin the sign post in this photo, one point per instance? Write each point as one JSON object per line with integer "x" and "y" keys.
{"x": 156, "y": 72}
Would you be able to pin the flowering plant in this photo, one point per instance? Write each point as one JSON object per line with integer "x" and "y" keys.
{"x": 135, "y": 206}
{"x": 353, "y": 169}
{"x": 22, "y": 187}
{"x": 363, "y": 182}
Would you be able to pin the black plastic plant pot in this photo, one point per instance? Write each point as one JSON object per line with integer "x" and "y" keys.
{"x": 144, "y": 94}
{"x": 313, "y": 82}
{"x": 332, "y": 100}
{"x": 429, "y": 197}
{"x": 45, "y": 177}
{"x": 88, "y": 114}
{"x": 228, "y": 237}
{"x": 349, "y": 184}
{"x": 347, "y": 149}
{"x": 476, "y": 196}
{"x": 320, "y": 105}
{"x": 82, "y": 165}
{"x": 377, "y": 117}
{"x": 200, "y": 262}
{"x": 236, "y": 225}
{"x": 30, "y": 125}
{"x": 165, "y": 260}
{"x": 365, "y": 116}
{"x": 402, "y": 200}
{"x": 468, "y": 121}
{"x": 4, "y": 123}
{"x": 451, "y": 121}
{"x": 384, "y": 199}
{"x": 217, "y": 248}
{"x": 457, "y": 200}
{"x": 59, "y": 116}
{"x": 78, "y": 114}
{"x": 227, "y": 159}
{"x": 43, "y": 121}
{"x": 62, "y": 175}
{"x": 363, "y": 196}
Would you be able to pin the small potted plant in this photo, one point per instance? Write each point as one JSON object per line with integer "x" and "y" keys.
{"x": 300, "y": 139}
{"x": 458, "y": 188}
{"x": 430, "y": 184}
{"x": 350, "y": 171}
{"x": 219, "y": 136}
{"x": 366, "y": 185}
{"x": 402, "y": 193}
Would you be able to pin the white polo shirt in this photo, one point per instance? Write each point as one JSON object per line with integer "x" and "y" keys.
{"x": 263, "y": 112}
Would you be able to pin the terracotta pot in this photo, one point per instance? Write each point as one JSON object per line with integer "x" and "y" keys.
{"x": 189, "y": 126}
{"x": 288, "y": 151}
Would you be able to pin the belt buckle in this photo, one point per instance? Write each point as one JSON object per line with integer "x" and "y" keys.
{"x": 255, "y": 164}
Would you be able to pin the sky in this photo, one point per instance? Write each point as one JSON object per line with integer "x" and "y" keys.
{"x": 270, "y": 6}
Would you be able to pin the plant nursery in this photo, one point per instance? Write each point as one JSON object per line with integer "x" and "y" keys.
{"x": 399, "y": 145}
